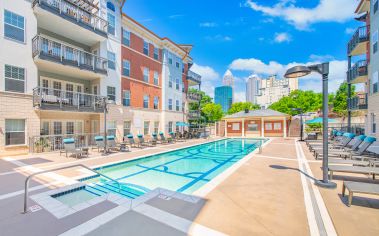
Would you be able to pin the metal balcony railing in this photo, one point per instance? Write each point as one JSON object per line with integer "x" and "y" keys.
{"x": 76, "y": 13}
{"x": 194, "y": 96}
{"x": 193, "y": 115}
{"x": 358, "y": 102}
{"x": 362, "y": 34}
{"x": 357, "y": 70}
{"x": 194, "y": 77}
{"x": 55, "y": 99}
{"x": 56, "y": 51}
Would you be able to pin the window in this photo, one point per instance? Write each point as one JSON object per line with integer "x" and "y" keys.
{"x": 177, "y": 64}
{"x": 156, "y": 53}
{"x": 14, "y": 79}
{"x": 373, "y": 123}
{"x": 146, "y": 74}
{"x": 111, "y": 127}
{"x": 45, "y": 128}
{"x": 146, "y": 101}
{"x": 268, "y": 126}
{"x": 375, "y": 42}
{"x": 170, "y": 104}
{"x": 146, "y": 127}
{"x": 170, "y": 59}
{"x": 236, "y": 126}
{"x": 183, "y": 67}
{"x": 111, "y": 93}
{"x": 375, "y": 82}
{"x": 69, "y": 127}
{"x": 145, "y": 48}
{"x": 183, "y": 106}
{"x": 14, "y": 131}
{"x": 126, "y": 99}
{"x": 177, "y": 107}
{"x": 156, "y": 127}
{"x": 156, "y": 78}
{"x": 79, "y": 127}
{"x": 125, "y": 68}
{"x": 14, "y": 26}
{"x": 111, "y": 60}
{"x": 252, "y": 127}
{"x": 110, "y": 6}
{"x": 177, "y": 85}
{"x": 127, "y": 125}
{"x": 277, "y": 126}
{"x": 111, "y": 23}
{"x": 125, "y": 37}
{"x": 376, "y": 6}
{"x": 57, "y": 127}
{"x": 156, "y": 102}
{"x": 170, "y": 82}
{"x": 170, "y": 126}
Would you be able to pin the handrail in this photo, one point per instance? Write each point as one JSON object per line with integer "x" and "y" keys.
{"x": 26, "y": 191}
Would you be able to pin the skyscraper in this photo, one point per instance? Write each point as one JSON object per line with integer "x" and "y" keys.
{"x": 224, "y": 97}
{"x": 253, "y": 84}
{"x": 228, "y": 79}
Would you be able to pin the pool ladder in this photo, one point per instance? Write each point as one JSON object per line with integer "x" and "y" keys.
{"x": 26, "y": 192}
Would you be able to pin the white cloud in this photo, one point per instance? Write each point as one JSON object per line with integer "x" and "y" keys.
{"x": 311, "y": 82}
{"x": 314, "y": 57}
{"x": 208, "y": 24}
{"x": 208, "y": 78}
{"x": 282, "y": 37}
{"x": 219, "y": 37}
{"x": 301, "y": 17}
{"x": 240, "y": 96}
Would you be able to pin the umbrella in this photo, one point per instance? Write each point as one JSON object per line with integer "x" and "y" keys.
{"x": 319, "y": 120}
{"x": 181, "y": 124}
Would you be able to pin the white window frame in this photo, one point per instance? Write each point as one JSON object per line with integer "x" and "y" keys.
{"x": 111, "y": 94}
{"x": 126, "y": 67}
{"x": 146, "y": 47}
{"x": 156, "y": 78}
{"x": 375, "y": 39}
{"x": 126, "y": 33}
{"x": 14, "y": 131}
{"x": 112, "y": 60}
{"x": 127, "y": 126}
{"x": 144, "y": 99}
{"x": 277, "y": 126}
{"x": 16, "y": 26}
{"x": 235, "y": 126}
{"x": 146, "y": 128}
{"x": 146, "y": 73}
{"x": 17, "y": 79}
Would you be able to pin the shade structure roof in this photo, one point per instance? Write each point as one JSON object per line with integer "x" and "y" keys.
{"x": 319, "y": 120}
{"x": 257, "y": 113}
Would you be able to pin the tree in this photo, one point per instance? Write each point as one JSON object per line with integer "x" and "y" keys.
{"x": 212, "y": 112}
{"x": 241, "y": 106}
{"x": 340, "y": 99}
{"x": 205, "y": 99}
{"x": 306, "y": 100}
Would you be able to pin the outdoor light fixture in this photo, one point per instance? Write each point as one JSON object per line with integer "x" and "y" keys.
{"x": 323, "y": 69}
{"x": 105, "y": 102}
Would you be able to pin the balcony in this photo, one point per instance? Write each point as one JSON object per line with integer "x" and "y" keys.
{"x": 358, "y": 43}
{"x": 358, "y": 102}
{"x": 193, "y": 115}
{"x": 358, "y": 73}
{"x": 363, "y": 7}
{"x": 193, "y": 97}
{"x": 76, "y": 21}
{"x": 60, "y": 100}
{"x": 193, "y": 78}
{"x": 57, "y": 57}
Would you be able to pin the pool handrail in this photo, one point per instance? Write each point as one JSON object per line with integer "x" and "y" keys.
{"x": 26, "y": 193}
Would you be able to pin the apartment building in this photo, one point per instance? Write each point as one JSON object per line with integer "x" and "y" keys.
{"x": 62, "y": 60}
{"x": 363, "y": 65}
{"x": 253, "y": 84}
{"x": 273, "y": 89}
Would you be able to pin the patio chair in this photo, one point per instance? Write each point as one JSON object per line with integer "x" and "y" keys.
{"x": 358, "y": 187}
{"x": 353, "y": 169}
{"x": 154, "y": 139}
{"x": 99, "y": 140}
{"x": 131, "y": 141}
{"x": 69, "y": 146}
{"x": 172, "y": 136}
{"x": 338, "y": 143}
{"x": 112, "y": 144}
{"x": 142, "y": 142}
{"x": 346, "y": 145}
{"x": 163, "y": 139}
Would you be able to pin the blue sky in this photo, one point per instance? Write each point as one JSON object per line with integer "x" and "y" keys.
{"x": 254, "y": 36}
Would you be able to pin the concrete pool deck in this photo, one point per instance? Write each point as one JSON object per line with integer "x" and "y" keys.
{"x": 270, "y": 193}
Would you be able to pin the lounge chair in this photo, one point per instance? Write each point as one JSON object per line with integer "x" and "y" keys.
{"x": 163, "y": 139}
{"x": 337, "y": 144}
{"x": 99, "y": 140}
{"x": 358, "y": 187}
{"x": 353, "y": 169}
{"x": 112, "y": 144}
{"x": 353, "y": 145}
{"x": 371, "y": 158}
{"x": 172, "y": 136}
{"x": 154, "y": 139}
{"x": 131, "y": 141}
{"x": 142, "y": 142}
{"x": 69, "y": 147}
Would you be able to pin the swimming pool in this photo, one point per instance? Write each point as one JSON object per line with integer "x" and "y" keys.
{"x": 184, "y": 170}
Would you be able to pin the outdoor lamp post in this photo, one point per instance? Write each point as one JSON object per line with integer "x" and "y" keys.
{"x": 323, "y": 69}
{"x": 105, "y": 103}
{"x": 301, "y": 122}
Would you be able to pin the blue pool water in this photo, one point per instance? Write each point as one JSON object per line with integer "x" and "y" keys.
{"x": 184, "y": 170}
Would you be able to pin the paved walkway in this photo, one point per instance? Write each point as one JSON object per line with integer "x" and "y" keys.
{"x": 267, "y": 193}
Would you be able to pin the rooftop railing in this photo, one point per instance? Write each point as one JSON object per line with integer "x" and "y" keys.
{"x": 49, "y": 49}
{"x": 194, "y": 77}
{"x": 360, "y": 35}
{"x": 55, "y": 99}
{"x": 357, "y": 70}
{"x": 193, "y": 115}
{"x": 76, "y": 13}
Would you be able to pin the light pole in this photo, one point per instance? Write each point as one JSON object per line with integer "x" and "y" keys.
{"x": 323, "y": 69}
{"x": 106, "y": 102}
{"x": 301, "y": 122}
